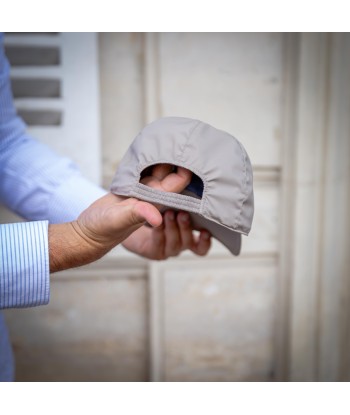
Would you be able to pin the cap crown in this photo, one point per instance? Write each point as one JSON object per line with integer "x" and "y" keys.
{"x": 215, "y": 156}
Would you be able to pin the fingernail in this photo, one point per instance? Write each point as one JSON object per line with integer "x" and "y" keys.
{"x": 171, "y": 215}
{"x": 206, "y": 236}
{"x": 184, "y": 218}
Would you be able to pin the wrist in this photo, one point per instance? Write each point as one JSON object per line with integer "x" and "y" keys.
{"x": 68, "y": 248}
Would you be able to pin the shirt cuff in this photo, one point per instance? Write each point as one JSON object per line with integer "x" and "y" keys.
{"x": 24, "y": 265}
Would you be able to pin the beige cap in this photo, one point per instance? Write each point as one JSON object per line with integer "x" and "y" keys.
{"x": 225, "y": 204}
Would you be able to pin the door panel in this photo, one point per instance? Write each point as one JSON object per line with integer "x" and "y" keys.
{"x": 184, "y": 319}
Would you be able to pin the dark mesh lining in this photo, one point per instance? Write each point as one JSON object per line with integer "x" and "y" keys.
{"x": 196, "y": 186}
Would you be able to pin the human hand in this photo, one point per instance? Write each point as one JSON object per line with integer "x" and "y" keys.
{"x": 103, "y": 225}
{"x": 111, "y": 219}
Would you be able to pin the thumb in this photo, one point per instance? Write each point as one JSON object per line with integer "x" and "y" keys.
{"x": 138, "y": 212}
{"x": 111, "y": 219}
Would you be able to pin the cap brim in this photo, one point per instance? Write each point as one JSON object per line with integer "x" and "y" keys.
{"x": 231, "y": 239}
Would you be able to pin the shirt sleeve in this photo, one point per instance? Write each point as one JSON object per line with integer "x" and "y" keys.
{"x": 40, "y": 186}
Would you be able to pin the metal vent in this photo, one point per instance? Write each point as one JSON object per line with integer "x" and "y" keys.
{"x": 35, "y": 60}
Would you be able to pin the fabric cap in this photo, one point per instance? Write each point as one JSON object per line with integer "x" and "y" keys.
{"x": 226, "y": 206}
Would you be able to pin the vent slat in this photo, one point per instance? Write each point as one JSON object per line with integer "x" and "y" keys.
{"x": 33, "y": 56}
{"x": 45, "y": 40}
{"x": 41, "y": 117}
{"x": 32, "y": 33}
{"x": 36, "y": 88}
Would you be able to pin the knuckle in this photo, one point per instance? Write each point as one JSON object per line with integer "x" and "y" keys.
{"x": 175, "y": 245}
{"x": 187, "y": 243}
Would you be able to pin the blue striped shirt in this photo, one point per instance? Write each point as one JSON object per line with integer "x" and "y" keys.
{"x": 42, "y": 187}
{"x": 24, "y": 271}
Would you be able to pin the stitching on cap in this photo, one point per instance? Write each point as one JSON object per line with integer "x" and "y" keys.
{"x": 141, "y": 167}
{"x": 245, "y": 183}
{"x": 204, "y": 195}
{"x": 180, "y": 156}
{"x": 167, "y": 195}
{"x": 171, "y": 199}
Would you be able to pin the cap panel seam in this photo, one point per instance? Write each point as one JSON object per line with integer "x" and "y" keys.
{"x": 244, "y": 185}
{"x": 180, "y": 158}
